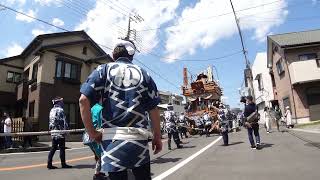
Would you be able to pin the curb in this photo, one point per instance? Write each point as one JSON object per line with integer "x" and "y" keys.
{"x": 307, "y": 131}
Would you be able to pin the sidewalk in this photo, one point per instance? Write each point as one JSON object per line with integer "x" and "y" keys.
{"x": 313, "y": 127}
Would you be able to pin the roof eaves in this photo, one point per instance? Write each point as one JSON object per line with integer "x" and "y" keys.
{"x": 298, "y": 45}
{"x": 10, "y": 58}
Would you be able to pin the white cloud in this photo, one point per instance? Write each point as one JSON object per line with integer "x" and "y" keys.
{"x": 57, "y": 22}
{"x": 187, "y": 37}
{"x": 102, "y": 22}
{"x": 49, "y": 2}
{"x": 18, "y": 2}
{"x": 24, "y": 18}
{"x": 36, "y": 32}
{"x": 13, "y": 50}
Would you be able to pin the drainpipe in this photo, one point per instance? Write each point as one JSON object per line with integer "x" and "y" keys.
{"x": 291, "y": 88}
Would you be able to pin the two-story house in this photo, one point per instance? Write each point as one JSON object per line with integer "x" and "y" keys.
{"x": 171, "y": 98}
{"x": 51, "y": 65}
{"x": 293, "y": 59}
{"x": 262, "y": 85}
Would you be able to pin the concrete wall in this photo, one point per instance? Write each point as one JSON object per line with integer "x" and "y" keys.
{"x": 283, "y": 85}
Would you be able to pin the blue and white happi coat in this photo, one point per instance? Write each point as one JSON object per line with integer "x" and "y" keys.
{"x": 57, "y": 121}
{"x": 223, "y": 120}
{"x": 171, "y": 125}
{"x": 128, "y": 94}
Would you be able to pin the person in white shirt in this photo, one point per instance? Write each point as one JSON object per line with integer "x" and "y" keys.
{"x": 288, "y": 117}
{"x": 7, "y": 128}
{"x": 267, "y": 118}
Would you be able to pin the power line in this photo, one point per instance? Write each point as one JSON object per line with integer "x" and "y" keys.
{"x": 40, "y": 20}
{"x": 129, "y": 13}
{"x": 58, "y": 27}
{"x": 79, "y": 9}
{"x": 210, "y": 17}
{"x": 263, "y": 12}
{"x": 45, "y": 22}
{"x": 159, "y": 75}
{"x": 287, "y": 19}
{"x": 114, "y": 9}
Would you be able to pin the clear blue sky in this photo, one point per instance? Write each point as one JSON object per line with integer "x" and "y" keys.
{"x": 205, "y": 39}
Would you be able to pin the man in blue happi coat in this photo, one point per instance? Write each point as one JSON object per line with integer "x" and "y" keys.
{"x": 128, "y": 95}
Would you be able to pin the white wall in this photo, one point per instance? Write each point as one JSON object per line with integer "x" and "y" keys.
{"x": 264, "y": 96}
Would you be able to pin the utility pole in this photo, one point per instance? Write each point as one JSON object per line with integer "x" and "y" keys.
{"x": 247, "y": 72}
{"x": 132, "y": 33}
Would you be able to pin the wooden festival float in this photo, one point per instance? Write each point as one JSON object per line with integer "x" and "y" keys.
{"x": 202, "y": 95}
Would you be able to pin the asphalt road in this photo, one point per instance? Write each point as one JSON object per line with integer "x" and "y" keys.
{"x": 294, "y": 156}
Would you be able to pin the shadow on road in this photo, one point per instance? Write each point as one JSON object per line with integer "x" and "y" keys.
{"x": 161, "y": 160}
{"x": 187, "y": 147}
{"x": 84, "y": 166}
{"x": 235, "y": 143}
{"x": 313, "y": 144}
{"x": 266, "y": 145}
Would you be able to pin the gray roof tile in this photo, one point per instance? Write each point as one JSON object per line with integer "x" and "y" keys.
{"x": 295, "y": 38}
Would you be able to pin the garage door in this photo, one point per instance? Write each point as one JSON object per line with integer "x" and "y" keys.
{"x": 314, "y": 104}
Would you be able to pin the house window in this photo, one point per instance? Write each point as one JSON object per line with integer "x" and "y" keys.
{"x": 35, "y": 71}
{"x": 279, "y": 65}
{"x": 71, "y": 109}
{"x": 74, "y": 71}
{"x": 31, "y": 109}
{"x": 273, "y": 80}
{"x": 308, "y": 56}
{"x": 260, "y": 84}
{"x": 84, "y": 50}
{"x": 67, "y": 70}
{"x": 13, "y": 77}
{"x": 10, "y": 76}
{"x": 59, "y": 69}
{"x": 26, "y": 75}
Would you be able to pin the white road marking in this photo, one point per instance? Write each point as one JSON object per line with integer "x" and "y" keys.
{"x": 184, "y": 162}
{"x": 304, "y": 130}
{"x": 39, "y": 152}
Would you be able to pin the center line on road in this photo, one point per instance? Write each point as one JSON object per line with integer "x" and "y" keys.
{"x": 39, "y": 152}
{"x": 184, "y": 162}
{"x": 43, "y": 164}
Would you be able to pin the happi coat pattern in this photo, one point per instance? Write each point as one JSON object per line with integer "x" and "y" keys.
{"x": 128, "y": 93}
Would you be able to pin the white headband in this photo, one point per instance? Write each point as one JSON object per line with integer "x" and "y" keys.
{"x": 56, "y": 100}
{"x": 128, "y": 45}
